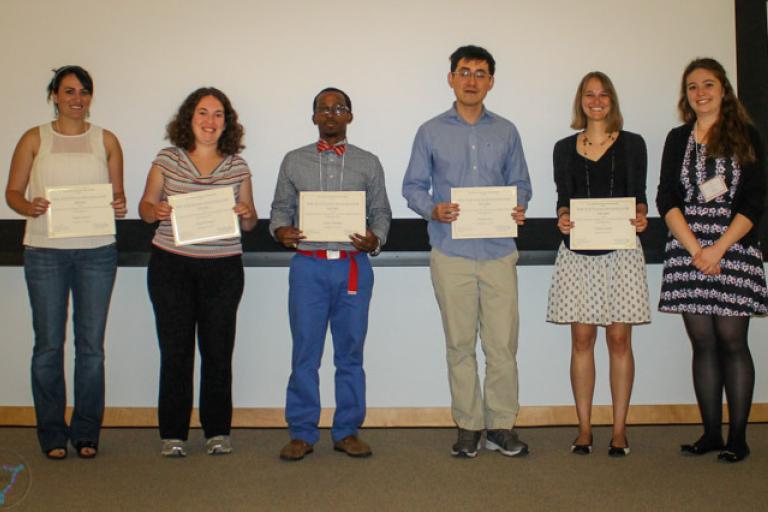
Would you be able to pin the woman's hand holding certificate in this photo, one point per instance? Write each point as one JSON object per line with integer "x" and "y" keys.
{"x": 203, "y": 216}
{"x": 603, "y": 224}
{"x": 80, "y": 210}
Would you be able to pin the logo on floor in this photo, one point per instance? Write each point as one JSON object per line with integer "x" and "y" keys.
{"x": 15, "y": 479}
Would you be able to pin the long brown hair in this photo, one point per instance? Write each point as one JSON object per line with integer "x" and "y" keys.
{"x": 729, "y": 136}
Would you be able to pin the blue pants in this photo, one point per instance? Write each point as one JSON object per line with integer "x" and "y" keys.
{"x": 318, "y": 296}
{"x": 51, "y": 274}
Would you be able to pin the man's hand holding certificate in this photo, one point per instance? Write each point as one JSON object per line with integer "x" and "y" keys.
{"x": 603, "y": 224}
{"x": 80, "y": 210}
{"x": 486, "y": 212}
{"x": 331, "y": 216}
{"x": 203, "y": 216}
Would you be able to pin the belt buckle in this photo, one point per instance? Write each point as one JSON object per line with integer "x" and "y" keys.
{"x": 332, "y": 255}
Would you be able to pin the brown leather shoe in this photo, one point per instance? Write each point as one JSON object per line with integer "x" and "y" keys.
{"x": 296, "y": 450}
{"x": 353, "y": 447}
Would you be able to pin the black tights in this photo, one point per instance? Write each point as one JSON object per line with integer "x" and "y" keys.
{"x": 721, "y": 358}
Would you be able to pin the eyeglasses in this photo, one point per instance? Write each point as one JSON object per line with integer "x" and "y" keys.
{"x": 465, "y": 73}
{"x": 336, "y": 110}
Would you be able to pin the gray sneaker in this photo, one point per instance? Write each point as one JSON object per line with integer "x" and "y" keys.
{"x": 506, "y": 442}
{"x": 218, "y": 445}
{"x": 173, "y": 448}
{"x": 467, "y": 443}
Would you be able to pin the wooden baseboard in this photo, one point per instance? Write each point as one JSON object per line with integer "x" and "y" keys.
{"x": 531, "y": 416}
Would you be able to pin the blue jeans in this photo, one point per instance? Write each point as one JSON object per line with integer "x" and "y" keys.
{"x": 51, "y": 274}
{"x": 318, "y": 297}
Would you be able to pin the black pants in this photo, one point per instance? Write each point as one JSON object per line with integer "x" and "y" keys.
{"x": 188, "y": 294}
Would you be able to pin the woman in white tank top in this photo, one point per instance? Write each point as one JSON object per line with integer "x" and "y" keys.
{"x": 67, "y": 151}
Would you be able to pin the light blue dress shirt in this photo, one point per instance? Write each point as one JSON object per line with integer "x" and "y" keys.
{"x": 449, "y": 152}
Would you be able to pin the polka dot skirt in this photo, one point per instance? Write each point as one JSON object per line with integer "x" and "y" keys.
{"x": 599, "y": 290}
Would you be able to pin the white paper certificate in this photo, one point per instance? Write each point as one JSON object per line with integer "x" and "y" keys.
{"x": 602, "y": 224}
{"x": 485, "y": 212}
{"x": 203, "y": 216}
{"x": 331, "y": 216}
{"x": 80, "y": 210}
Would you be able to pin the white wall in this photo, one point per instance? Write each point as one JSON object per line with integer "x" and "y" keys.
{"x": 392, "y": 58}
{"x": 404, "y": 356}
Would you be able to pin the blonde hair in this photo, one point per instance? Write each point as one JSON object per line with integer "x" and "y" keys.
{"x": 614, "y": 119}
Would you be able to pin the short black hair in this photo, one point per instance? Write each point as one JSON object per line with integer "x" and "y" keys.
{"x": 60, "y": 73}
{"x": 331, "y": 89}
{"x": 471, "y": 52}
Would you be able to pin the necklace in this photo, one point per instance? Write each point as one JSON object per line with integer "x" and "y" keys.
{"x": 586, "y": 142}
{"x": 613, "y": 168}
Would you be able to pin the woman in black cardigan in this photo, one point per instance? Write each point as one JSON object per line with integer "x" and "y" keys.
{"x": 711, "y": 195}
{"x": 600, "y": 288}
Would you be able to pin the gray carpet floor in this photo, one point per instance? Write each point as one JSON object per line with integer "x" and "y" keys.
{"x": 411, "y": 470}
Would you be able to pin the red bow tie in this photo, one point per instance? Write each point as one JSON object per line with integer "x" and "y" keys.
{"x": 323, "y": 146}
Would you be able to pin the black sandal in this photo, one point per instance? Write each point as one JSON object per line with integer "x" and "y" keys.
{"x": 49, "y": 453}
{"x": 81, "y": 445}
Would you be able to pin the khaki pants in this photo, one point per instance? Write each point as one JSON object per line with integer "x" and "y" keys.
{"x": 479, "y": 295}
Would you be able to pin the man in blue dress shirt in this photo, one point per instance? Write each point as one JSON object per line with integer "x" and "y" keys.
{"x": 475, "y": 280}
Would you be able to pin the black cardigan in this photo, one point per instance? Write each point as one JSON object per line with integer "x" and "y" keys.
{"x": 750, "y": 193}
{"x": 632, "y": 164}
{"x": 633, "y": 155}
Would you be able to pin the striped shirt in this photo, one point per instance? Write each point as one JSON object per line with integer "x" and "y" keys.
{"x": 180, "y": 176}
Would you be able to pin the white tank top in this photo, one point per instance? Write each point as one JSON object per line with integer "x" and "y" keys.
{"x": 65, "y": 160}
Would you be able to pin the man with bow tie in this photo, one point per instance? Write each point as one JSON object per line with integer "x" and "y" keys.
{"x": 330, "y": 282}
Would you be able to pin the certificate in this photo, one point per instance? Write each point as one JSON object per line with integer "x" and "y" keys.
{"x": 486, "y": 212}
{"x": 601, "y": 224}
{"x": 80, "y": 210}
{"x": 203, "y": 216}
{"x": 331, "y": 216}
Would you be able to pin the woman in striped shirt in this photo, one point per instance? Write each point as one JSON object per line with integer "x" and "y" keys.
{"x": 197, "y": 287}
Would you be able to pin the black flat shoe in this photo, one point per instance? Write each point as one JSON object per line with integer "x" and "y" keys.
{"x": 581, "y": 449}
{"x": 702, "y": 446}
{"x": 731, "y": 454}
{"x": 618, "y": 451}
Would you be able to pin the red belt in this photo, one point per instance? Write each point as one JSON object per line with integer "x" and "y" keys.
{"x": 335, "y": 255}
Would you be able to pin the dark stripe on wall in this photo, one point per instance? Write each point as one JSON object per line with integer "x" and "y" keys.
{"x": 752, "y": 72}
{"x": 408, "y": 243}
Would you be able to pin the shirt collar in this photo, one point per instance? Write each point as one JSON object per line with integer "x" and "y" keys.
{"x": 452, "y": 113}
{"x": 342, "y": 142}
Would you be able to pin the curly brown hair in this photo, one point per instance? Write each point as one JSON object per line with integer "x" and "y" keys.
{"x": 729, "y": 136}
{"x": 179, "y": 130}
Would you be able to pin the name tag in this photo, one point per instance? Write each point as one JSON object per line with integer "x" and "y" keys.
{"x": 713, "y": 188}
